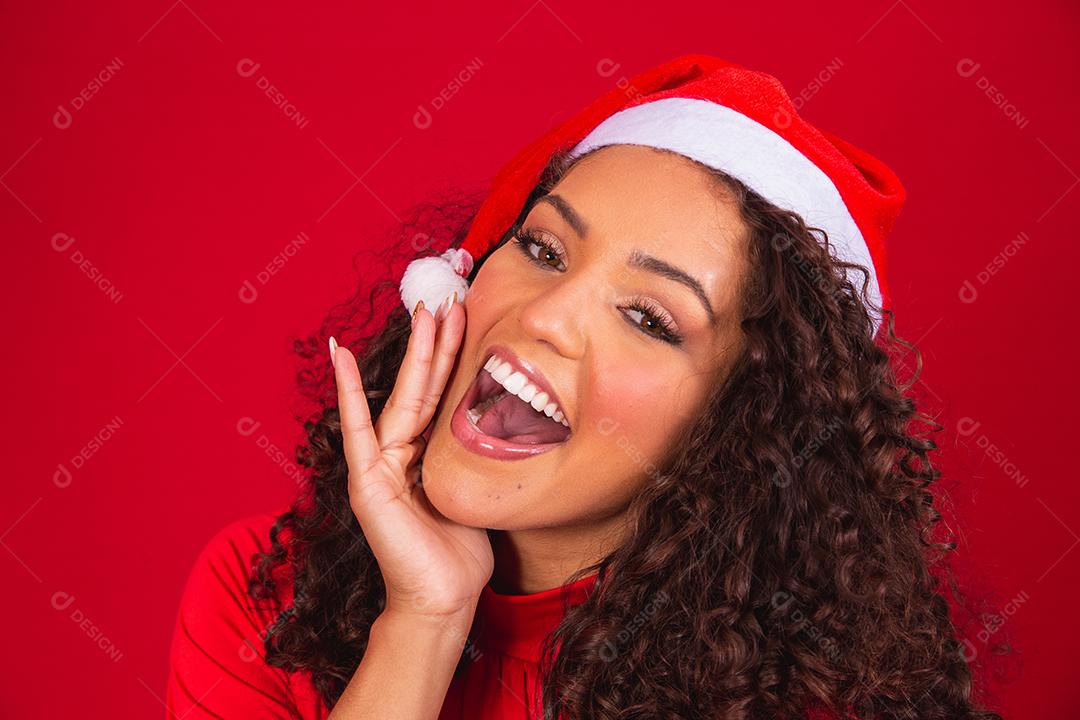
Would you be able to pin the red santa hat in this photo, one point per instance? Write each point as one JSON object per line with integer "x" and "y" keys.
{"x": 723, "y": 115}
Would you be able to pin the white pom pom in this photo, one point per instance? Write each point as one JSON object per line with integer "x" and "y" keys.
{"x": 434, "y": 279}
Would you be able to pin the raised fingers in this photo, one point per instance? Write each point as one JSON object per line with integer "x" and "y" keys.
{"x": 398, "y": 423}
{"x": 358, "y": 435}
{"x": 447, "y": 343}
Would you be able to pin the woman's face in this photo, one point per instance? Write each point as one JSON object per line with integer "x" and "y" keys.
{"x": 626, "y": 389}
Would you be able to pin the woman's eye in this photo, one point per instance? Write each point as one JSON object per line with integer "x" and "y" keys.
{"x": 652, "y": 323}
{"x": 657, "y": 324}
{"x": 538, "y": 250}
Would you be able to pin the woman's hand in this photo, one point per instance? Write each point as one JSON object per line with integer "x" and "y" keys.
{"x": 431, "y": 566}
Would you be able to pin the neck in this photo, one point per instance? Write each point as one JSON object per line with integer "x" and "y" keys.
{"x": 533, "y": 560}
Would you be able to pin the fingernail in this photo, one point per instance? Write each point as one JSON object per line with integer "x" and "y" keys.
{"x": 444, "y": 309}
{"x": 333, "y": 351}
{"x": 416, "y": 312}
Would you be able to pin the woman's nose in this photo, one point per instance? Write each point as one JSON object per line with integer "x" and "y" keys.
{"x": 558, "y": 314}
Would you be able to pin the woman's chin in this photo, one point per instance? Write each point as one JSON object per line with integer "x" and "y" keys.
{"x": 464, "y": 497}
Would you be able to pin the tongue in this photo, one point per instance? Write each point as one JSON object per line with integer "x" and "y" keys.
{"x": 511, "y": 418}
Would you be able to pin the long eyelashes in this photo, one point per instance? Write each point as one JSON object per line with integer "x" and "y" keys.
{"x": 662, "y": 327}
{"x": 524, "y": 238}
{"x": 666, "y": 327}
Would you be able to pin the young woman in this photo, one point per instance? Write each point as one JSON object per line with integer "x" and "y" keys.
{"x": 650, "y": 460}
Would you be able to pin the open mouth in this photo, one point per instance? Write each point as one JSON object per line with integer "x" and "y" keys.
{"x": 497, "y": 413}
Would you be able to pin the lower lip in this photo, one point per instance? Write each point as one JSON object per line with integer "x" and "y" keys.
{"x": 471, "y": 437}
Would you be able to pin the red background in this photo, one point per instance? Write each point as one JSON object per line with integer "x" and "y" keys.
{"x": 179, "y": 180}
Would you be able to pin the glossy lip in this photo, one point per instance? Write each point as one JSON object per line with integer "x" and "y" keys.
{"x": 471, "y": 437}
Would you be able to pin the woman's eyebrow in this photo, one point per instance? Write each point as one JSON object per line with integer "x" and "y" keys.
{"x": 637, "y": 259}
{"x": 568, "y": 213}
{"x": 663, "y": 269}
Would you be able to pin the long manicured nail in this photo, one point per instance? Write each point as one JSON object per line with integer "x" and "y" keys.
{"x": 333, "y": 351}
{"x": 416, "y": 312}
{"x": 444, "y": 309}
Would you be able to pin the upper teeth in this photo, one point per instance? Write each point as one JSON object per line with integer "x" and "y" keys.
{"x": 517, "y": 384}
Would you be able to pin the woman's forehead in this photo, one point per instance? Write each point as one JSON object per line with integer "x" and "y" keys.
{"x": 649, "y": 195}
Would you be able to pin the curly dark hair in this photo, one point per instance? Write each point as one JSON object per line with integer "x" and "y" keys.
{"x": 785, "y": 556}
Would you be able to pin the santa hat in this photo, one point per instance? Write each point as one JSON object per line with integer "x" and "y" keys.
{"x": 736, "y": 120}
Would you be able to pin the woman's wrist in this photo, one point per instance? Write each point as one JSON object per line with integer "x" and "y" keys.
{"x": 428, "y": 613}
{"x": 445, "y": 628}
{"x": 407, "y": 666}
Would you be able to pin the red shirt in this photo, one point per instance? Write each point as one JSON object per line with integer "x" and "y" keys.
{"x": 217, "y": 661}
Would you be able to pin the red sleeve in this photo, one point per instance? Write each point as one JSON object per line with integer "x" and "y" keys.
{"x": 217, "y": 665}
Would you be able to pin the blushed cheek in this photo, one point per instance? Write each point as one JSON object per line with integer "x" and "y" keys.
{"x": 638, "y": 405}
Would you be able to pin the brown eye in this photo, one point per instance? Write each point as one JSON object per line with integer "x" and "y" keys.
{"x": 653, "y": 321}
{"x": 549, "y": 257}
{"x": 544, "y": 253}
